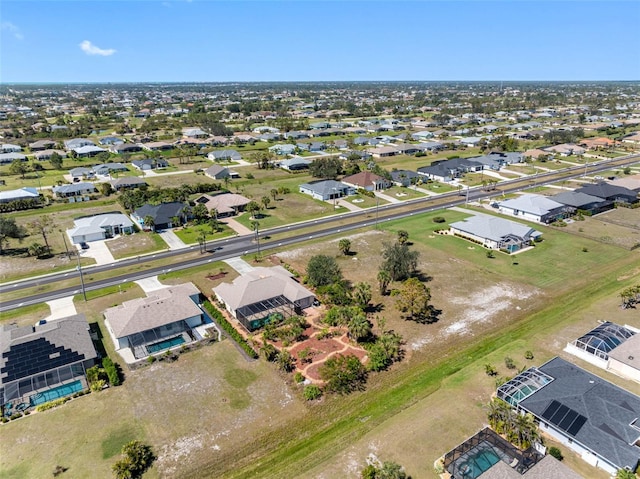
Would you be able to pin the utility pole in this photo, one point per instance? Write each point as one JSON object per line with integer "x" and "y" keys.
{"x": 79, "y": 268}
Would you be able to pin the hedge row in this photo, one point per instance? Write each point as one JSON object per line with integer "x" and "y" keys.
{"x": 230, "y": 330}
{"x": 51, "y": 404}
{"x": 112, "y": 371}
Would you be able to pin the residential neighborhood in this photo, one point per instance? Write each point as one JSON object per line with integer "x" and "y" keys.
{"x": 449, "y": 288}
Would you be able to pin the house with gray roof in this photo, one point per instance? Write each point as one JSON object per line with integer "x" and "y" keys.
{"x": 127, "y": 183}
{"x": 283, "y": 149}
{"x": 163, "y": 215}
{"x": 610, "y": 192}
{"x": 593, "y": 417}
{"x": 99, "y": 227}
{"x": 582, "y": 201}
{"x": 447, "y": 170}
{"x": 20, "y": 194}
{"x": 105, "y": 169}
{"x": 404, "y": 177}
{"x": 535, "y": 208}
{"x": 75, "y": 189}
{"x": 81, "y": 172}
{"x": 263, "y": 295}
{"x": 148, "y": 164}
{"x": 40, "y": 145}
{"x": 219, "y": 172}
{"x": 493, "y": 232}
{"x": 35, "y": 361}
{"x": 11, "y": 157}
{"x": 10, "y": 148}
{"x": 496, "y": 160}
{"x": 166, "y": 318}
{"x": 224, "y": 155}
{"x": 296, "y": 164}
{"x": 47, "y": 154}
{"x": 77, "y": 143}
{"x": 121, "y": 148}
{"x": 88, "y": 151}
{"x": 326, "y": 189}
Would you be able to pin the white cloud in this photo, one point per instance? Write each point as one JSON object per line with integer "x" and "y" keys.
{"x": 90, "y": 49}
{"x": 13, "y": 29}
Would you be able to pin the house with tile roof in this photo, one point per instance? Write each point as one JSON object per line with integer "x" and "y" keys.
{"x": 367, "y": 180}
{"x": 262, "y": 295}
{"x": 225, "y": 204}
{"x": 166, "y": 318}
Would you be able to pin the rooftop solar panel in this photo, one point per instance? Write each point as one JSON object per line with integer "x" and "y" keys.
{"x": 564, "y": 417}
{"x": 577, "y": 425}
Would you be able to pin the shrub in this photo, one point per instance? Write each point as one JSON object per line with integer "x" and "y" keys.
{"x": 490, "y": 254}
{"x": 528, "y": 355}
{"x": 151, "y": 359}
{"x": 16, "y": 415}
{"x": 229, "y": 329}
{"x": 439, "y": 219}
{"x": 555, "y": 452}
{"x": 490, "y": 370}
{"x": 312, "y": 392}
{"x": 51, "y": 404}
{"x": 97, "y": 385}
{"x": 585, "y": 249}
{"x": 298, "y": 377}
{"x": 112, "y": 371}
{"x": 509, "y": 363}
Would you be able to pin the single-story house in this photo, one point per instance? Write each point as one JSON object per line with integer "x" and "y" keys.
{"x": 582, "y": 201}
{"x": 121, "y": 148}
{"x": 127, "y": 183}
{"x": 404, "y": 177}
{"x": 367, "y": 180}
{"x": 263, "y": 294}
{"x": 194, "y": 133}
{"x": 470, "y": 141}
{"x": 36, "y": 359}
{"x": 536, "y": 153}
{"x": 422, "y": 135}
{"x": 162, "y": 215}
{"x": 41, "y": 145}
{"x": 75, "y": 189}
{"x": 296, "y": 135}
{"x": 326, "y": 189}
{"x": 10, "y": 148}
{"x": 105, "y": 169}
{"x": 566, "y": 149}
{"x": 610, "y": 192}
{"x": 383, "y": 151}
{"x": 593, "y": 417}
{"x": 148, "y": 164}
{"x": 431, "y": 146}
{"x": 110, "y": 141}
{"x": 408, "y": 148}
{"x": 355, "y": 154}
{"x": 11, "y": 157}
{"x": 224, "y": 155}
{"x": 77, "y": 143}
{"x": 296, "y": 164}
{"x": 81, "y": 172}
{"x": 218, "y": 172}
{"x": 225, "y": 204}
{"x": 88, "y": 151}
{"x": 625, "y": 360}
{"x": 47, "y": 154}
{"x": 99, "y": 227}
{"x": 166, "y": 318}
{"x": 495, "y": 233}
{"x": 20, "y": 194}
{"x": 283, "y": 149}
{"x": 496, "y": 160}
{"x": 633, "y": 138}
{"x": 157, "y": 146}
{"x": 535, "y": 208}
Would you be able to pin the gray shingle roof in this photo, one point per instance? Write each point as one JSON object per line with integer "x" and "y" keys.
{"x": 608, "y": 409}
{"x": 534, "y": 204}
{"x": 494, "y": 228}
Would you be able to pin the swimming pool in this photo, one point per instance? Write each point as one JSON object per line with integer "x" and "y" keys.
{"x": 166, "y": 344}
{"x": 56, "y": 393}
{"x": 473, "y": 465}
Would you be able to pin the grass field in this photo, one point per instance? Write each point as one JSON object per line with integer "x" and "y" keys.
{"x": 190, "y": 234}
{"x": 212, "y": 414}
{"x": 135, "y": 245}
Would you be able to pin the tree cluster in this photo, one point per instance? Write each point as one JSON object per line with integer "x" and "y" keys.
{"x": 519, "y": 429}
{"x": 386, "y": 470}
{"x": 555, "y": 137}
{"x": 327, "y": 168}
{"x": 630, "y": 296}
{"x": 136, "y": 459}
{"x": 133, "y": 199}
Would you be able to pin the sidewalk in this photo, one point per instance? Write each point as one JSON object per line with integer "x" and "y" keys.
{"x": 239, "y": 228}
{"x": 388, "y": 198}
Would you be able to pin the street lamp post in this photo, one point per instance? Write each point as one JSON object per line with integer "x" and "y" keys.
{"x": 79, "y": 268}
{"x": 377, "y": 203}
{"x": 334, "y": 197}
{"x": 257, "y": 230}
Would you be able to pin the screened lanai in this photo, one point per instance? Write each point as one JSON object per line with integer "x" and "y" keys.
{"x": 603, "y": 339}
{"x": 523, "y": 386}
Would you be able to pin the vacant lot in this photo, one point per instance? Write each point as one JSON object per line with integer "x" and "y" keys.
{"x": 132, "y": 245}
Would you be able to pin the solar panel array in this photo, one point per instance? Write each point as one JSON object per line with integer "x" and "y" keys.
{"x": 564, "y": 417}
{"x": 33, "y": 357}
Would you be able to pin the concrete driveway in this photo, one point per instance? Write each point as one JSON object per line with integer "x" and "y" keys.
{"x": 172, "y": 240}
{"x": 240, "y": 265}
{"x": 98, "y": 250}
{"x": 61, "y": 308}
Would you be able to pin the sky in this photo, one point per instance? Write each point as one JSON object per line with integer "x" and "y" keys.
{"x": 215, "y": 41}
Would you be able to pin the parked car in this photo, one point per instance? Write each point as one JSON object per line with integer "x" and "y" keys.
{"x": 84, "y": 245}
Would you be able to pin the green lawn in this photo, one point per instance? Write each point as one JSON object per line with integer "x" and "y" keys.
{"x": 190, "y": 234}
{"x": 403, "y": 193}
{"x": 136, "y": 245}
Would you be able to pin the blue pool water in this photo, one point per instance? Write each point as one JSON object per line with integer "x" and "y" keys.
{"x": 55, "y": 393}
{"x": 474, "y": 465}
{"x": 166, "y": 344}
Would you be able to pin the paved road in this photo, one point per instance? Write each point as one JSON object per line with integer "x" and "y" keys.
{"x": 229, "y": 248}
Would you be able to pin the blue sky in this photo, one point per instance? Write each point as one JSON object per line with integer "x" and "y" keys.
{"x": 198, "y": 40}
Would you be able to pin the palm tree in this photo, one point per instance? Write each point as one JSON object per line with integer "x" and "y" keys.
{"x": 149, "y": 222}
{"x": 265, "y": 202}
{"x": 362, "y": 294}
{"x": 202, "y": 241}
{"x": 384, "y": 278}
{"x": 253, "y": 207}
{"x": 359, "y": 327}
{"x": 274, "y": 193}
{"x": 344, "y": 245}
